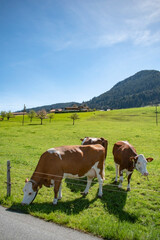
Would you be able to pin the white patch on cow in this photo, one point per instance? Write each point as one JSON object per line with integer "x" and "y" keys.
{"x": 128, "y": 187}
{"x": 126, "y": 142}
{"x": 127, "y": 172}
{"x": 60, "y": 192}
{"x": 52, "y": 183}
{"x": 53, "y": 150}
{"x": 141, "y": 165}
{"x": 93, "y": 140}
{"x": 29, "y": 194}
{"x": 83, "y": 141}
{"x": 69, "y": 175}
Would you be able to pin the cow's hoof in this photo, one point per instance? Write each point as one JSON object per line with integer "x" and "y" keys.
{"x": 99, "y": 196}
{"x": 84, "y": 194}
{"x": 128, "y": 189}
{"x": 55, "y": 201}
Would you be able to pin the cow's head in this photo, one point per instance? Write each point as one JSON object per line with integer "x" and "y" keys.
{"x": 89, "y": 140}
{"x": 141, "y": 163}
{"x": 30, "y": 191}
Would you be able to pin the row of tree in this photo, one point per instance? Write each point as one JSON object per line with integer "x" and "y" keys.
{"x": 42, "y": 114}
{"x": 8, "y": 115}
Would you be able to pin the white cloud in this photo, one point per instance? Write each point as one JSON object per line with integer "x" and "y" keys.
{"x": 102, "y": 23}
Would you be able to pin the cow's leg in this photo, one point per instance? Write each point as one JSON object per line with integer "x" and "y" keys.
{"x": 100, "y": 192}
{"x": 90, "y": 175}
{"x": 120, "y": 178}
{"x": 100, "y": 180}
{"x": 60, "y": 192}
{"x": 89, "y": 181}
{"x": 56, "y": 190}
{"x": 129, "y": 179}
{"x": 116, "y": 166}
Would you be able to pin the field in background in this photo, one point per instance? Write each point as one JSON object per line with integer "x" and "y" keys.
{"x": 119, "y": 214}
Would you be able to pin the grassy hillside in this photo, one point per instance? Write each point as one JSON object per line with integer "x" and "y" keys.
{"x": 119, "y": 214}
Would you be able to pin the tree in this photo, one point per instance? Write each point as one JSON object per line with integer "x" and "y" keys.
{"x": 42, "y": 114}
{"x": 31, "y": 114}
{"x": 74, "y": 117}
{"x": 9, "y": 115}
{"x": 3, "y": 114}
{"x": 51, "y": 116}
{"x": 75, "y": 105}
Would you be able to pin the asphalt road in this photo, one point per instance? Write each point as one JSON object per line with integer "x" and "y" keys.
{"x": 20, "y": 226}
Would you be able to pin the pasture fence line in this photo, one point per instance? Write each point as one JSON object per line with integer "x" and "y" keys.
{"x": 48, "y": 177}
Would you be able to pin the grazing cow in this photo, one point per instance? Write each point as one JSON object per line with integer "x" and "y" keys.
{"x": 126, "y": 159}
{"x": 89, "y": 140}
{"x": 66, "y": 161}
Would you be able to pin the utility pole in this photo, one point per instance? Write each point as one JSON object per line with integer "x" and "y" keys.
{"x": 156, "y": 116}
{"x": 24, "y": 110}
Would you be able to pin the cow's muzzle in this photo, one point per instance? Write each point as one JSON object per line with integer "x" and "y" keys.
{"x": 145, "y": 174}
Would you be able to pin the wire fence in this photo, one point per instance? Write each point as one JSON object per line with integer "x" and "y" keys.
{"x": 78, "y": 182}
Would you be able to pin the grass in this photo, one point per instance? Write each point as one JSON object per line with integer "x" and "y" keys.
{"x": 119, "y": 214}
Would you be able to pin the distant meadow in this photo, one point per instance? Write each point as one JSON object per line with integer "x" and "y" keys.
{"x": 119, "y": 214}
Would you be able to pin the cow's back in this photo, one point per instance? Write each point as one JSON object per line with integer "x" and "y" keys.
{"x": 76, "y": 160}
{"x": 79, "y": 159}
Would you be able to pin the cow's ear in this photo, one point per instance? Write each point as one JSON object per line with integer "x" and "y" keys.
{"x": 149, "y": 159}
{"x": 26, "y": 180}
{"x": 81, "y": 139}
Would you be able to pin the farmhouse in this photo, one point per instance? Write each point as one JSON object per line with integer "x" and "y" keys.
{"x": 59, "y": 110}
{"x": 19, "y": 113}
{"x": 77, "y": 109}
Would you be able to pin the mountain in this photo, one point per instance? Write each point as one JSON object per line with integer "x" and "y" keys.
{"x": 53, "y": 106}
{"x": 139, "y": 90}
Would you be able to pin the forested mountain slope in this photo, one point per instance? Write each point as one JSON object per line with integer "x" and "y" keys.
{"x": 141, "y": 89}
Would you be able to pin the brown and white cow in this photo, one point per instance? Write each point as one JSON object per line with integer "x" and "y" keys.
{"x": 90, "y": 140}
{"x": 126, "y": 160}
{"x": 66, "y": 161}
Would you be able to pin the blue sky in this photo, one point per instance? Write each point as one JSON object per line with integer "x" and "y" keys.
{"x": 56, "y": 51}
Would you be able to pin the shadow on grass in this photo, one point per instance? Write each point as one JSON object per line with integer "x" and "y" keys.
{"x": 78, "y": 184}
{"x": 69, "y": 207}
{"x": 34, "y": 124}
{"x": 114, "y": 200}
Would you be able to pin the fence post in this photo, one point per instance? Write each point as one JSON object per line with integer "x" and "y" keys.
{"x": 8, "y": 179}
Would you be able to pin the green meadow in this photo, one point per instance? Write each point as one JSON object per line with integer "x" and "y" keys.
{"x": 119, "y": 214}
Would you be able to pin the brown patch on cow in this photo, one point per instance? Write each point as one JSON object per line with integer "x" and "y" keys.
{"x": 124, "y": 155}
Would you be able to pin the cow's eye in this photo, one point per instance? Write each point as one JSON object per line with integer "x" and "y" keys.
{"x": 29, "y": 193}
